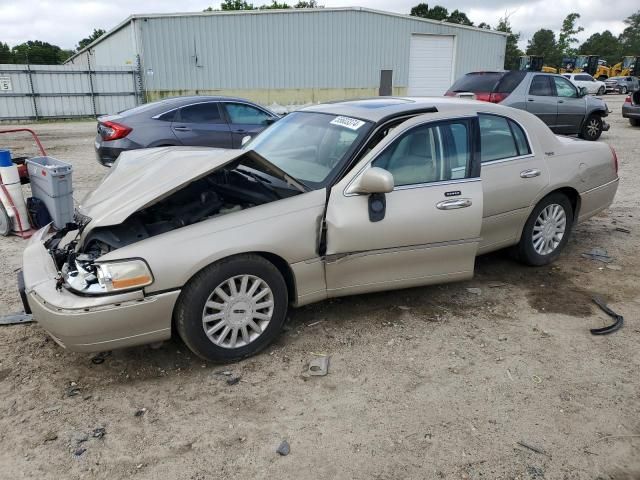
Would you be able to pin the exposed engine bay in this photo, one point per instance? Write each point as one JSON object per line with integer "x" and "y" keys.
{"x": 222, "y": 192}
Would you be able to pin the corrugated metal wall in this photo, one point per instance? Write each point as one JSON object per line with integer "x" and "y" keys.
{"x": 117, "y": 49}
{"x": 65, "y": 91}
{"x": 331, "y": 49}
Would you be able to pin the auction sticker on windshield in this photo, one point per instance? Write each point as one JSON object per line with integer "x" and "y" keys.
{"x": 350, "y": 123}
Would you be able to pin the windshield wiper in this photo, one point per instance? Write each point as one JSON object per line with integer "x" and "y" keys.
{"x": 263, "y": 182}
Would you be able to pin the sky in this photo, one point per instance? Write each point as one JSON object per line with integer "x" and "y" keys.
{"x": 65, "y": 22}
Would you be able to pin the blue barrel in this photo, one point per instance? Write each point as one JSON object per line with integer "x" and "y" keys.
{"x": 5, "y": 158}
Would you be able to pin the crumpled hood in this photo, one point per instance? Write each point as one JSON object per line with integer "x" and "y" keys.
{"x": 140, "y": 178}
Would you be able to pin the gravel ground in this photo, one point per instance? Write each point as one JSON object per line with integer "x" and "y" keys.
{"x": 434, "y": 382}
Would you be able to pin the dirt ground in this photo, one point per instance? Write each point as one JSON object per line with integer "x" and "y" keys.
{"x": 435, "y": 382}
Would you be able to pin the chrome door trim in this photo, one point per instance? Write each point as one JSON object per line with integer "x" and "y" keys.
{"x": 454, "y": 204}
{"x": 530, "y": 173}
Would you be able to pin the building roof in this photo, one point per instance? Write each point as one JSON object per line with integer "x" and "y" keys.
{"x": 136, "y": 16}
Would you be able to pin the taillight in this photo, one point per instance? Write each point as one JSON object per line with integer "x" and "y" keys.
{"x": 494, "y": 97}
{"x": 615, "y": 158}
{"x": 628, "y": 99}
{"x": 112, "y": 130}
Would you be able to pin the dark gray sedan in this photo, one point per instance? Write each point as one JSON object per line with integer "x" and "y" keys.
{"x": 631, "y": 108}
{"x": 565, "y": 108}
{"x": 221, "y": 122}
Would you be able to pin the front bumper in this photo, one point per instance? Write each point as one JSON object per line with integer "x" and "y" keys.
{"x": 91, "y": 323}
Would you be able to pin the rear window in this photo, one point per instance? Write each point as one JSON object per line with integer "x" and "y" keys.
{"x": 494, "y": 82}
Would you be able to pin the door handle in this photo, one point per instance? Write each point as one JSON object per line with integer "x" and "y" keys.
{"x": 453, "y": 204}
{"x": 240, "y": 131}
{"x": 182, "y": 129}
{"x": 531, "y": 173}
{"x": 530, "y": 100}
{"x": 560, "y": 101}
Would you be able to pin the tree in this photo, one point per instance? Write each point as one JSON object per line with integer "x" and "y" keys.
{"x": 40, "y": 53}
{"x": 605, "y": 45}
{"x": 544, "y": 43}
{"x": 568, "y": 34}
{"x": 436, "y": 13}
{"x": 6, "y": 55}
{"x": 97, "y": 33}
{"x": 307, "y": 4}
{"x": 459, "y": 17}
{"x": 484, "y": 25}
{"x": 236, "y": 5}
{"x": 274, "y": 6}
{"x": 512, "y": 52}
{"x": 630, "y": 36}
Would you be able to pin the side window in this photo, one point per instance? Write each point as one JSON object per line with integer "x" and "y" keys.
{"x": 242, "y": 114}
{"x": 540, "y": 86}
{"x": 428, "y": 153}
{"x": 200, "y": 113}
{"x": 501, "y": 138}
{"x": 169, "y": 116}
{"x": 564, "y": 87}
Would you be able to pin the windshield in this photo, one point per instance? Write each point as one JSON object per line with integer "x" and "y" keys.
{"x": 627, "y": 62}
{"x": 309, "y": 146}
{"x": 582, "y": 61}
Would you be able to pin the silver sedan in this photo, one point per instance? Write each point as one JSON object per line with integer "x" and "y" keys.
{"x": 336, "y": 199}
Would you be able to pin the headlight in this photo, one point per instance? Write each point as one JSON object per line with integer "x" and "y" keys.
{"x": 125, "y": 275}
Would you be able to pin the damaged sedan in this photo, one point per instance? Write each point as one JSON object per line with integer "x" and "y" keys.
{"x": 335, "y": 199}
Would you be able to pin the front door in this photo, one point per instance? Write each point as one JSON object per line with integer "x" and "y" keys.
{"x": 430, "y": 225}
{"x": 541, "y": 100}
{"x": 571, "y": 106}
{"x": 245, "y": 120}
{"x": 201, "y": 124}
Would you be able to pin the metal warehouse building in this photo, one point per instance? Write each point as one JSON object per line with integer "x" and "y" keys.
{"x": 295, "y": 56}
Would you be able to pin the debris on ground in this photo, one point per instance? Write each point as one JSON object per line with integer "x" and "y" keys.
{"x": 319, "y": 366}
{"x": 16, "y": 318}
{"x": 72, "y": 390}
{"x": 79, "y": 437}
{"x": 497, "y": 284}
{"x": 623, "y": 230}
{"x": 599, "y": 254}
{"x": 233, "y": 380}
{"x": 99, "y": 432}
{"x": 226, "y": 373}
{"x": 475, "y": 291}
{"x": 284, "y": 448}
{"x": 617, "y": 325}
{"x": 614, "y": 267}
{"x": 533, "y": 448}
{"x": 79, "y": 451}
{"x": 140, "y": 412}
{"x": 100, "y": 358}
{"x": 314, "y": 323}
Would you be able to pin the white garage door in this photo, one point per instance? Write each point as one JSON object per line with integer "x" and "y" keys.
{"x": 430, "y": 65}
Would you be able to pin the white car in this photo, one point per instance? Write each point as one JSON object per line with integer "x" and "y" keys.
{"x": 593, "y": 86}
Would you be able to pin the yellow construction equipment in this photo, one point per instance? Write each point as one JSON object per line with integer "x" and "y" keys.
{"x": 629, "y": 66}
{"x": 535, "y": 63}
{"x": 592, "y": 65}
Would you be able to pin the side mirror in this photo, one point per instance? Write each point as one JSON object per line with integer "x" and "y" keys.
{"x": 245, "y": 140}
{"x": 373, "y": 180}
{"x": 271, "y": 120}
{"x": 582, "y": 91}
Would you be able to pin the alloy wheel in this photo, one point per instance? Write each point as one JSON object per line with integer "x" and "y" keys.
{"x": 593, "y": 127}
{"x": 238, "y": 311}
{"x": 549, "y": 229}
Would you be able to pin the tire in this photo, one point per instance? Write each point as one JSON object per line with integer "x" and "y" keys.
{"x": 634, "y": 122}
{"x": 5, "y": 222}
{"x": 602, "y": 91}
{"x": 592, "y": 128}
{"x": 529, "y": 250}
{"x": 248, "y": 329}
{"x": 623, "y": 90}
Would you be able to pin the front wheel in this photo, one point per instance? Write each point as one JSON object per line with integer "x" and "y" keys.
{"x": 547, "y": 230}
{"x": 592, "y": 128}
{"x": 623, "y": 90}
{"x": 232, "y": 309}
{"x": 602, "y": 91}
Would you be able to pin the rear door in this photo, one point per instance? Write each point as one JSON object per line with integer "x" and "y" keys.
{"x": 245, "y": 120}
{"x": 571, "y": 107}
{"x": 431, "y": 223}
{"x": 541, "y": 100}
{"x": 202, "y": 124}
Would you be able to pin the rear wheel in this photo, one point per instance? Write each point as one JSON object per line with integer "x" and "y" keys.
{"x": 232, "y": 309}
{"x": 547, "y": 230}
{"x": 623, "y": 90}
{"x": 634, "y": 122}
{"x": 592, "y": 128}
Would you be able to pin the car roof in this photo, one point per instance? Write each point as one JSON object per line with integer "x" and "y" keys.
{"x": 380, "y": 108}
{"x": 170, "y": 103}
